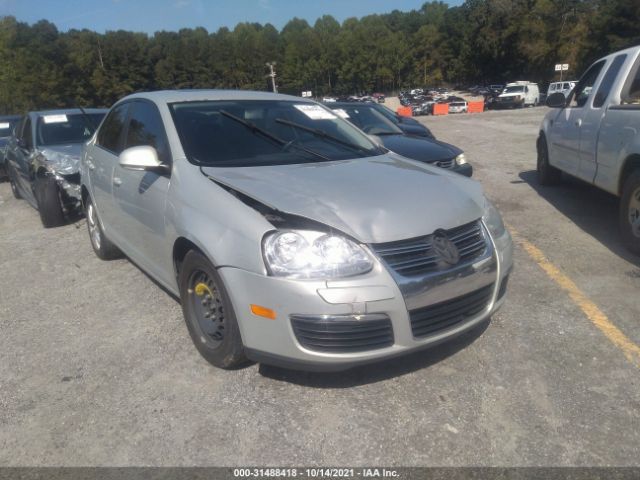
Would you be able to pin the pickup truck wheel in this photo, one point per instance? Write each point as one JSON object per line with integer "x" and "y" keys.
{"x": 102, "y": 246}
{"x": 208, "y": 312}
{"x": 547, "y": 174}
{"x": 630, "y": 213}
{"x": 47, "y": 195}
{"x": 13, "y": 182}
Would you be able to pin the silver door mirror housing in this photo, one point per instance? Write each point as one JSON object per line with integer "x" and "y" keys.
{"x": 556, "y": 100}
{"x": 376, "y": 139}
{"x": 143, "y": 158}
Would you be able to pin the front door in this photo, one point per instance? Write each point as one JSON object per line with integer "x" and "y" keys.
{"x": 140, "y": 197}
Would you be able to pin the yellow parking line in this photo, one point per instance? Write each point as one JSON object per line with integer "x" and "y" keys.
{"x": 590, "y": 309}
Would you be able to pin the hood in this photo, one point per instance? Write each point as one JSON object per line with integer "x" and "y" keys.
{"x": 420, "y": 148}
{"x": 374, "y": 200}
{"x": 508, "y": 95}
{"x": 63, "y": 159}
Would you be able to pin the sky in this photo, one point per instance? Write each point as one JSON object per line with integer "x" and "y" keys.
{"x": 153, "y": 15}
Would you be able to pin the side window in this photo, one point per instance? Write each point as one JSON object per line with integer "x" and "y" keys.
{"x": 110, "y": 134}
{"x": 583, "y": 90}
{"x": 631, "y": 91}
{"x": 607, "y": 81}
{"x": 146, "y": 128}
{"x": 553, "y": 87}
{"x": 27, "y": 134}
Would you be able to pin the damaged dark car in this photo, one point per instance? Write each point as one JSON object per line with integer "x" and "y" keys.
{"x": 43, "y": 160}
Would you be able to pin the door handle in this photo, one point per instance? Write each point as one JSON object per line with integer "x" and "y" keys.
{"x": 578, "y": 122}
{"x": 90, "y": 165}
{"x": 117, "y": 181}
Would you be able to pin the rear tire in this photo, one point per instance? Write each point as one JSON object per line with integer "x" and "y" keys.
{"x": 547, "y": 174}
{"x": 208, "y": 313}
{"x": 102, "y": 246}
{"x": 630, "y": 213}
{"x": 47, "y": 195}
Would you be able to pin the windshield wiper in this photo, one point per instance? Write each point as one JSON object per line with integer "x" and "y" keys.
{"x": 321, "y": 133}
{"x": 260, "y": 131}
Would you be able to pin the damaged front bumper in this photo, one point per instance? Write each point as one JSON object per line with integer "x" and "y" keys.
{"x": 336, "y": 325}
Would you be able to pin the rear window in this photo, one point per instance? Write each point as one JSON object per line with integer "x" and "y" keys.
{"x": 64, "y": 129}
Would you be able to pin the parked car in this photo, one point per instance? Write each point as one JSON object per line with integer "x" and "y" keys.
{"x": 518, "y": 95}
{"x": 561, "y": 87}
{"x": 290, "y": 237}
{"x": 408, "y": 125}
{"x": 7, "y": 124}
{"x": 422, "y": 149}
{"x": 458, "y": 107}
{"x": 43, "y": 159}
{"x": 593, "y": 135}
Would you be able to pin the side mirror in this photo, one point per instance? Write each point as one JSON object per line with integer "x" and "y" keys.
{"x": 557, "y": 100}
{"x": 143, "y": 158}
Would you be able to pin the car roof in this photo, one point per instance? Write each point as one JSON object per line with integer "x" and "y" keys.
{"x": 349, "y": 104}
{"x": 9, "y": 117}
{"x": 67, "y": 111}
{"x": 175, "y": 96}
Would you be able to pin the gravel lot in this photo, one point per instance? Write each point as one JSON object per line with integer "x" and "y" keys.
{"x": 97, "y": 368}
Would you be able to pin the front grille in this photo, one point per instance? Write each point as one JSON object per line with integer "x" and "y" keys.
{"x": 445, "y": 163}
{"x": 416, "y": 256}
{"x": 444, "y": 315}
{"x": 343, "y": 333}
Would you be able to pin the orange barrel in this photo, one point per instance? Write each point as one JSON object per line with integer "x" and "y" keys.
{"x": 475, "y": 107}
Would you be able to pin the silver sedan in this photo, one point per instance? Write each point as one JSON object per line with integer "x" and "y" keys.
{"x": 290, "y": 236}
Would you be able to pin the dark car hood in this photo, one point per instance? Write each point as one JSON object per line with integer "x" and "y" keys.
{"x": 63, "y": 159}
{"x": 377, "y": 199}
{"x": 420, "y": 148}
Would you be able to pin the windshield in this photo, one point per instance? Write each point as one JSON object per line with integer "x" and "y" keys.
{"x": 64, "y": 129}
{"x": 242, "y": 133}
{"x": 515, "y": 89}
{"x": 6, "y": 127}
{"x": 368, "y": 119}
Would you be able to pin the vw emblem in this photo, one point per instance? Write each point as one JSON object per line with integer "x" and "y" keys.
{"x": 444, "y": 248}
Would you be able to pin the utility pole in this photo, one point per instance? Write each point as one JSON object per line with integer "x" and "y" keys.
{"x": 272, "y": 74}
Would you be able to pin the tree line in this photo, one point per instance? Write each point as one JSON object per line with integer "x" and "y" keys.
{"x": 480, "y": 41}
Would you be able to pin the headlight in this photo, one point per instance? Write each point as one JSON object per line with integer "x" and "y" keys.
{"x": 313, "y": 255}
{"x": 61, "y": 163}
{"x": 493, "y": 219}
{"x": 461, "y": 159}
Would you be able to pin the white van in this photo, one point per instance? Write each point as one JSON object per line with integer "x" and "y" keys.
{"x": 564, "y": 87}
{"x": 519, "y": 94}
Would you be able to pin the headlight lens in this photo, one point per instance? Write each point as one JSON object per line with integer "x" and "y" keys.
{"x": 493, "y": 219}
{"x": 314, "y": 255}
{"x": 461, "y": 159}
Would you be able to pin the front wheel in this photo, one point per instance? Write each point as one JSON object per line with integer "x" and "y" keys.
{"x": 13, "y": 182}
{"x": 547, "y": 174}
{"x": 47, "y": 195}
{"x": 208, "y": 312}
{"x": 102, "y": 246}
{"x": 630, "y": 213}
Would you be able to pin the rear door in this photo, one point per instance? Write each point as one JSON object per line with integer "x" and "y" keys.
{"x": 140, "y": 197}
{"x": 101, "y": 160}
{"x": 564, "y": 133}
{"x": 594, "y": 112}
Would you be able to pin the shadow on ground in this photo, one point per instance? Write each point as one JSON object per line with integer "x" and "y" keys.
{"x": 593, "y": 210}
{"x": 379, "y": 371}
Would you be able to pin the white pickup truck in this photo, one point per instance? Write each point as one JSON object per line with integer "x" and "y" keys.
{"x": 594, "y": 134}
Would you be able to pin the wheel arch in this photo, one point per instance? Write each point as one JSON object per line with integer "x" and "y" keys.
{"x": 630, "y": 165}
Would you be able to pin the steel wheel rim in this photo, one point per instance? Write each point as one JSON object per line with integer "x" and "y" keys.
{"x": 207, "y": 308}
{"x": 94, "y": 229}
{"x": 634, "y": 212}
